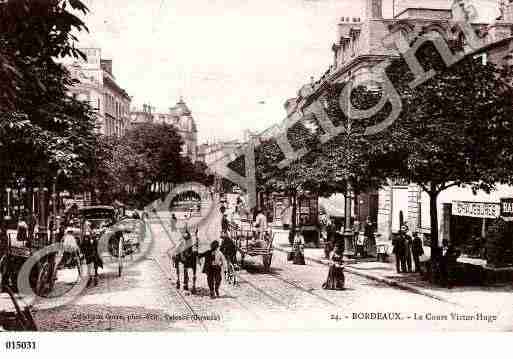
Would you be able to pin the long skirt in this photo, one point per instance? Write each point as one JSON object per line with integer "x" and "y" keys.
{"x": 335, "y": 278}
{"x": 299, "y": 257}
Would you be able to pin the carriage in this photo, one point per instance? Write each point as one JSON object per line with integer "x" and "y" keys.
{"x": 123, "y": 237}
{"x": 126, "y": 240}
{"x": 17, "y": 252}
{"x": 250, "y": 242}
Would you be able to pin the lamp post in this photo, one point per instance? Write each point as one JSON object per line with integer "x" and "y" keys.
{"x": 43, "y": 220}
{"x": 54, "y": 209}
{"x": 34, "y": 191}
{"x": 348, "y": 232}
{"x": 8, "y": 216}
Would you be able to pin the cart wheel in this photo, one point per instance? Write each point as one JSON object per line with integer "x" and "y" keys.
{"x": 3, "y": 270}
{"x": 78, "y": 262}
{"x": 120, "y": 256}
{"x": 266, "y": 259}
{"x": 44, "y": 284}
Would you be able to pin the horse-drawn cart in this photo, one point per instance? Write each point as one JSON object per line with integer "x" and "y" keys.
{"x": 43, "y": 273}
{"x": 251, "y": 242}
{"x": 125, "y": 240}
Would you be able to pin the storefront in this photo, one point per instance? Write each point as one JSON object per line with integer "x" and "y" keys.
{"x": 279, "y": 209}
{"x": 470, "y": 224}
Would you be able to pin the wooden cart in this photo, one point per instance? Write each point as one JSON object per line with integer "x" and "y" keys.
{"x": 43, "y": 274}
{"x": 126, "y": 240}
{"x": 251, "y": 243}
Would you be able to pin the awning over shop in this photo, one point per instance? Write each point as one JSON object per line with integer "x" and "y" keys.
{"x": 333, "y": 206}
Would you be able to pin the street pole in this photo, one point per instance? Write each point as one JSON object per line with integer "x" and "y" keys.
{"x": 348, "y": 232}
{"x": 54, "y": 210}
{"x": 8, "y": 217}
{"x": 43, "y": 221}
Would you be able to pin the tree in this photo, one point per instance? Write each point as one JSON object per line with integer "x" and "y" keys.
{"x": 455, "y": 129}
{"x": 46, "y": 128}
{"x": 292, "y": 179}
{"x": 346, "y": 158}
{"x": 145, "y": 154}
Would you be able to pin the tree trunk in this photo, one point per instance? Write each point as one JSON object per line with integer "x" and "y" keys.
{"x": 433, "y": 210}
{"x": 293, "y": 222}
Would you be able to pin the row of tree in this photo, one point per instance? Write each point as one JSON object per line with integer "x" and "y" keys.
{"x": 47, "y": 136}
{"x": 43, "y": 130}
{"x": 127, "y": 167}
{"x": 456, "y": 129}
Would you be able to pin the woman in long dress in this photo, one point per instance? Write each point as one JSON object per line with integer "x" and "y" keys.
{"x": 298, "y": 249}
{"x": 336, "y": 276}
{"x": 174, "y": 221}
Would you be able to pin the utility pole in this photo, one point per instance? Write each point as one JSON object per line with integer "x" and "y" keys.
{"x": 348, "y": 232}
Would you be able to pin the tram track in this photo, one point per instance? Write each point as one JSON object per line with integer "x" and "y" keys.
{"x": 272, "y": 297}
{"x": 188, "y": 305}
{"x": 209, "y": 229}
{"x": 228, "y": 292}
{"x": 291, "y": 284}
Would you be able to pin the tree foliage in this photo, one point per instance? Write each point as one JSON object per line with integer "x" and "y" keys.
{"x": 42, "y": 128}
{"x": 127, "y": 166}
{"x": 456, "y": 129}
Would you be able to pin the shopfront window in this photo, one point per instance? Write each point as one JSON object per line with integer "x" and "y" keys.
{"x": 470, "y": 224}
{"x": 469, "y": 235}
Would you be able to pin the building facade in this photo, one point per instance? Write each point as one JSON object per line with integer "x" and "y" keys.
{"x": 180, "y": 116}
{"x": 215, "y": 151}
{"x": 365, "y": 42}
{"x": 97, "y": 85}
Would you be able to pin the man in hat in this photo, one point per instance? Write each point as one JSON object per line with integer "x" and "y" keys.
{"x": 398, "y": 251}
{"x": 212, "y": 267}
{"x": 407, "y": 249}
{"x": 417, "y": 250}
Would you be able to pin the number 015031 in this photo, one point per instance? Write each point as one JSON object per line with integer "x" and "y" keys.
{"x": 20, "y": 345}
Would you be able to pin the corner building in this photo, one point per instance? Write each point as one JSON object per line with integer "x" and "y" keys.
{"x": 362, "y": 43}
{"x": 180, "y": 116}
{"x": 98, "y": 86}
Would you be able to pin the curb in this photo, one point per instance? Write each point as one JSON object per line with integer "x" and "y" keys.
{"x": 390, "y": 282}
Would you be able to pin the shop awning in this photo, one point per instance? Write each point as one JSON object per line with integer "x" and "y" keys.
{"x": 333, "y": 207}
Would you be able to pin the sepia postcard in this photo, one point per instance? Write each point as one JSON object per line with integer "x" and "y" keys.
{"x": 240, "y": 166}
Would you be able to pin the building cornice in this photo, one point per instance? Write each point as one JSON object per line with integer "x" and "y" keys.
{"x": 336, "y": 75}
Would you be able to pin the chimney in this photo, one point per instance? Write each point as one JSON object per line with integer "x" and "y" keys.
{"x": 106, "y": 65}
{"x": 508, "y": 11}
{"x": 373, "y": 9}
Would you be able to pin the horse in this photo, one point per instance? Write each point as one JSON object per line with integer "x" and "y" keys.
{"x": 187, "y": 254}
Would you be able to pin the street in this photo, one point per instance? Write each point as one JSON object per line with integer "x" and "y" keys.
{"x": 290, "y": 297}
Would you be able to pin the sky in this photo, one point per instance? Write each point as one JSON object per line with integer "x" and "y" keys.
{"x": 234, "y": 62}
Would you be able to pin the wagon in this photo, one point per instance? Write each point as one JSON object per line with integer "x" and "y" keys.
{"x": 250, "y": 242}
{"x": 125, "y": 240}
{"x": 43, "y": 274}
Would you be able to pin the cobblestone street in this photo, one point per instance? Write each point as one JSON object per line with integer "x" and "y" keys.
{"x": 290, "y": 297}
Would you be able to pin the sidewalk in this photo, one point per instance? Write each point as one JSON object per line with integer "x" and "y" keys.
{"x": 494, "y": 298}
